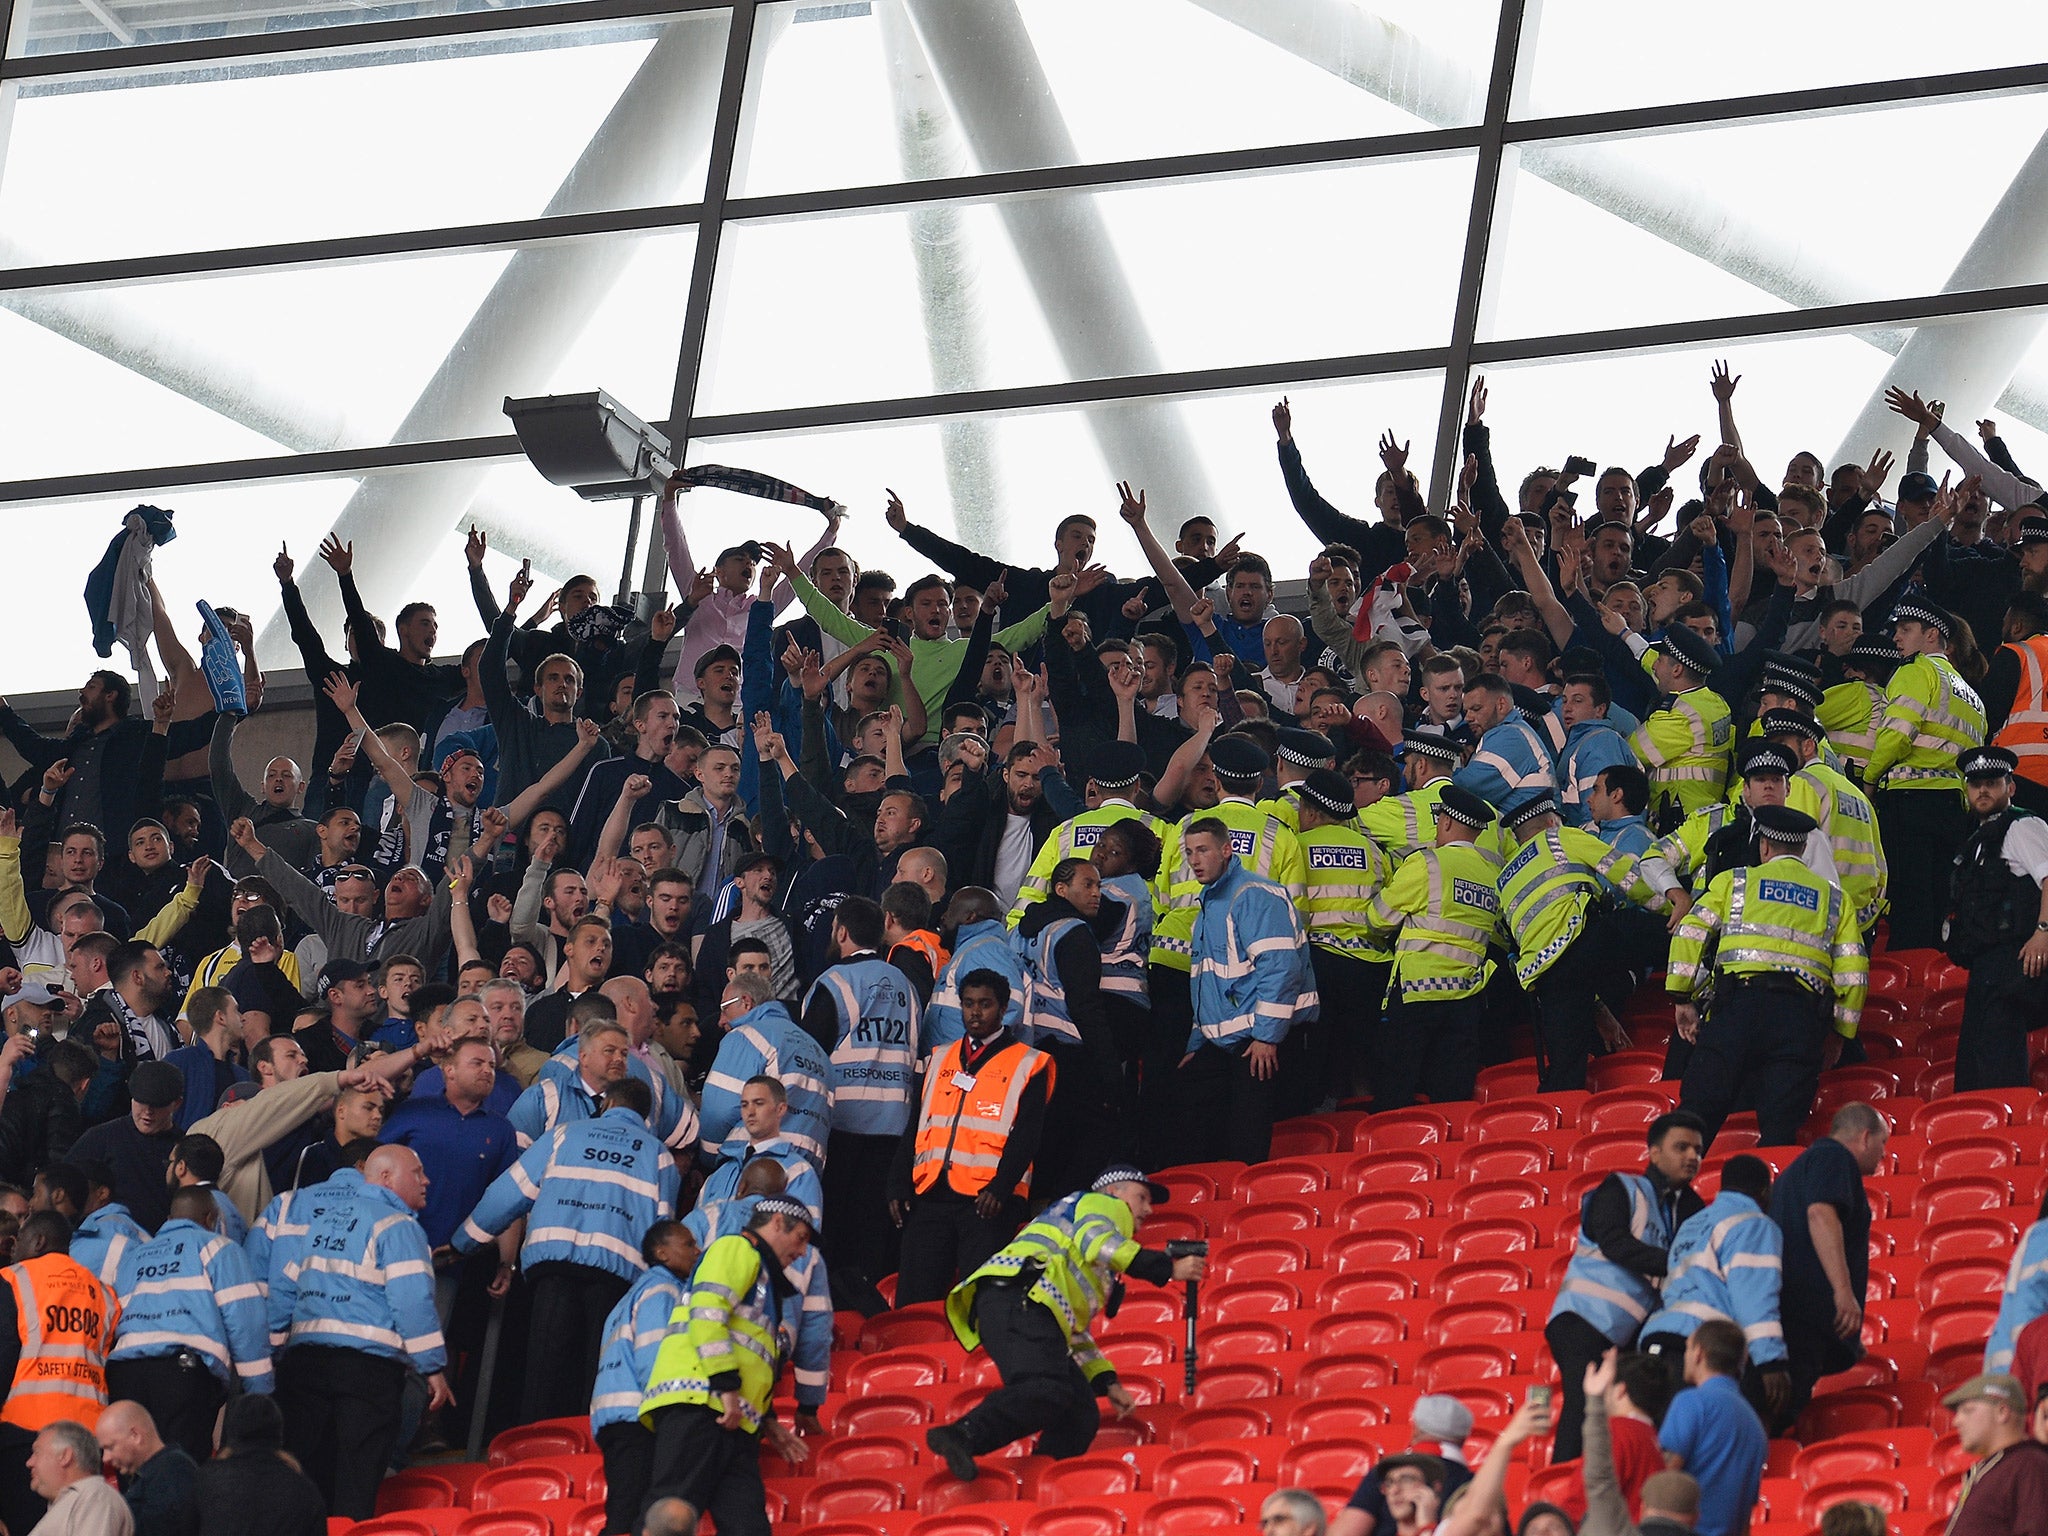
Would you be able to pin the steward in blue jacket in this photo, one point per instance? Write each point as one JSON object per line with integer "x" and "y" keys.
{"x": 632, "y": 1337}
{"x": 362, "y": 1310}
{"x": 593, "y": 1187}
{"x": 188, "y": 1298}
{"x": 765, "y": 1041}
{"x": 980, "y": 943}
{"x": 278, "y": 1239}
{"x": 104, "y": 1235}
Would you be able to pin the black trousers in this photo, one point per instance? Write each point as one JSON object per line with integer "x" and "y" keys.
{"x": 944, "y": 1241}
{"x": 1043, "y": 1391}
{"x": 718, "y": 1471}
{"x": 1344, "y": 1048}
{"x": 1811, "y": 1348}
{"x": 1574, "y": 1345}
{"x": 2001, "y": 1005}
{"x": 1669, "y": 1348}
{"x": 858, "y": 1237}
{"x": 1173, "y": 1018}
{"x": 1130, "y": 1027}
{"x": 1921, "y": 828}
{"x": 1225, "y": 1112}
{"x": 1614, "y": 950}
{"x": 340, "y": 1410}
{"x": 1432, "y": 1048}
{"x": 628, "y": 1451}
{"x": 181, "y": 1394}
{"x": 1775, "y": 1035}
{"x": 570, "y": 1304}
{"x": 1083, "y": 1119}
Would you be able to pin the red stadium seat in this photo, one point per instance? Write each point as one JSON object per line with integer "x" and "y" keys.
{"x": 1271, "y": 1218}
{"x": 848, "y": 1498}
{"x": 1280, "y": 1178}
{"x": 414, "y": 1488}
{"x": 1184, "y": 1516}
{"x": 1459, "y": 1322}
{"x": 895, "y": 1370}
{"x": 1258, "y": 1258}
{"x": 1960, "y": 1322}
{"x": 547, "y": 1437}
{"x": 863, "y": 1455}
{"x": 1381, "y": 1208}
{"x": 1353, "y": 1332}
{"x": 877, "y": 1415}
{"x": 1249, "y": 1300}
{"x": 923, "y": 1324}
{"x": 1610, "y": 1152}
{"x": 1967, "y": 1237}
{"x": 1234, "y": 1382}
{"x": 1993, "y": 1153}
{"x": 1236, "y": 1421}
{"x": 1357, "y": 1373}
{"x": 1624, "y": 1069}
{"x": 1144, "y": 1347}
{"x": 1960, "y": 1280}
{"x": 1306, "y": 1133}
{"x": 972, "y": 1520}
{"x": 589, "y": 1521}
{"x": 1506, "y": 1157}
{"x": 1337, "y": 1416}
{"x": 1367, "y": 1250}
{"x": 1623, "y": 1109}
{"x": 1946, "y": 1199}
{"x": 1188, "y": 1186}
{"x": 1475, "y": 1279}
{"x": 1450, "y": 1366}
{"x": 1163, "y": 1227}
{"x": 1391, "y": 1169}
{"x": 506, "y": 1522}
{"x": 1417, "y": 1127}
{"x": 412, "y": 1522}
{"x": 1509, "y": 1080}
{"x": 527, "y": 1484}
{"x": 1085, "y": 1477}
{"x": 1202, "y": 1468}
{"x": 1327, "y": 1463}
{"x": 1244, "y": 1341}
{"x": 1497, "y": 1197}
{"x": 1842, "y": 1413}
{"x": 1074, "y": 1520}
{"x": 1488, "y": 1237}
{"x": 943, "y": 1491}
{"x": 1886, "y": 1493}
{"x": 1838, "y": 1461}
{"x": 1150, "y": 1308}
{"x": 1512, "y": 1117}
{"x": 1367, "y": 1287}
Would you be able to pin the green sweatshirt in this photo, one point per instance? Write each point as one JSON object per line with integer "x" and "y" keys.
{"x": 934, "y": 664}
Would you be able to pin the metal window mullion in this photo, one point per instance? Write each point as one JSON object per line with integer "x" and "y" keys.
{"x": 1486, "y": 180}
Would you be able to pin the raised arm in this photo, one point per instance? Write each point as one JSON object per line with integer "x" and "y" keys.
{"x": 1178, "y": 592}
{"x": 176, "y": 659}
{"x": 1515, "y": 540}
{"x": 530, "y": 799}
{"x": 1181, "y": 766}
{"x": 342, "y": 693}
{"x": 1722, "y": 383}
{"x": 461, "y": 924}
{"x": 613, "y": 836}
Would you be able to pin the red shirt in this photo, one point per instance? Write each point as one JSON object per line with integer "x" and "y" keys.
{"x": 2030, "y": 1358}
{"x": 1636, "y": 1456}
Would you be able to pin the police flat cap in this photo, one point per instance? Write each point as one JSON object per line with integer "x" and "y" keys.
{"x": 1431, "y": 744}
{"x": 1464, "y": 807}
{"x": 1305, "y": 749}
{"x": 1693, "y": 650}
{"x": 1238, "y": 757}
{"x": 1790, "y": 722}
{"x": 1989, "y": 763}
{"x": 1782, "y": 824}
{"x": 1765, "y": 758}
{"x": 1328, "y": 791}
{"x": 1118, "y": 764}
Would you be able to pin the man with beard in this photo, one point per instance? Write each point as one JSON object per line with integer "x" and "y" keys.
{"x": 140, "y": 988}
{"x": 530, "y": 743}
{"x": 103, "y": 749}
{"x": 990, "y": 832}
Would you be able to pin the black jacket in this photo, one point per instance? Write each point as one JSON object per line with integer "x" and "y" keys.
{"x": 708, "y": 976}
{"x": 38, "y": 1124}
{"x": 258, "y": 1493}
{"x": 121, "y": 775}
{"x": 970, "y": 829}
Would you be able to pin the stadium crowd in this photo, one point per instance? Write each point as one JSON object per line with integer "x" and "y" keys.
{"x": 658, "y": 1009}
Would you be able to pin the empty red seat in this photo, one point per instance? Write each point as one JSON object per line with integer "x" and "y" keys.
{"x": 943, "y": 1491}
{"x": 1511, "y": 1079}
{"x": 1189, "y": 1186}
{"x": 1271, "y": 1218}
{"x": 1967, "y": 1237}
{"x": 1084, "y": 1477}
{"x": 1150, "y": 1308}
{"x": 1381, "y": 1208}
{"x": 1233, "y": 1421}
{"x": 1195, "y": 1512}
{"x": 1623, "y": 1109}
{"x": 922, "y": 1324}
{"x": 506, "y": 1522}
{"x": 1235, "y": 1381}
{"x": 1280, "y": 1178}
{"x": 1507, "y": 1157}
{"x": 859, "y": 1455}
{"x": 1960, "y": 1280}
{"x": 1139, "y": 1347}
{"x": 1493, "y": 1120}
{"x": 1203, "y": 1467}
{"x": 524, "y": 1484}
{"x": 1381, "y": 1170}
{"x": 1163, "y": 1227}
{"x": 1353, "y": 1332}
{"x": 1472, "y": 1279}
{"x": 1851, "y": 1412}
{"x": 1488, "y": 1237}
{"x": 1368, "y": 1286}
{"x": 1624, "y": 1069}
{"x": 1836, "y": 1461}
{"x": 1450, "y": 1366}
{"x": 1247, "y": 1300}
{"x": 1244, "y": 1341}
{"x": 1073, "y": 1520}
{"x": 1459, "y": 1321}
{"x": 1496, "y": 1197}
{"x": 1610, "y": 1151}
{"x": 973, "y": 1520}
{"x": 1335, "y": 1416}
{"x": 1327, "y": 1463}
{"x": 1963, "y": 1155}
{"x": 1955, "y": 1323}
{"x": 1307, "y": 1133}
{"x": 1258, "y": 1257}
{"x": 414, "y": 1488}
{"x": 895, "y": 1370}
{"x": 547, "y": 1437}
{"x": 1946, "y": 1199}
{"x": 1359, "y": 1372}
{"x": 875, "y": 1415}
{"x": 1886, "y": 1493}
{"x": 849, "y": 1498}
{"x": 1416, "y": 1127}
{"x": 1366, "y": 1250}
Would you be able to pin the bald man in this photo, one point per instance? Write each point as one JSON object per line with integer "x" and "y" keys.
{"x": 1285, "y": 642}
{"x": 925, "y": 868}
{"x": 275, "y": 811}
{"x": 160, "y": 1482}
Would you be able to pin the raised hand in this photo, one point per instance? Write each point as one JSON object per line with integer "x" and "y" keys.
{"x": 474, "y": 546}
{"x": 1135, "y": 605}
{"x": 1028, "y": 686}
{"x": 1202, "y": 613}
{"x": 522, "y": 583}
{"x": 1132, "y": 509}
{"x": 898, "y": 518}
{"x": 461, "y": 871}
{"x": 1702, "y": 528}
{"x": 777, "y": 560}
{"x": 1062, "y": 588}
{"x": 1987, "y": 429}
{"x": 548, "y": 605}
{"x": 638, "y": 787}
{"x": 57, "y": 775}
{"x": 793, "y": 661}
{"x": 1475, "y": 403}
{"x": 768, "y": 743}
{"x": 548, "y": 846}
{"x": 498, "y": 909}
{"x": 997, "y": 592}
{"x": 1874, "y": 474}
{"x": 242, "y": 630}
{"x": 161, "y": 708}
{"x": 1468, "y": 476}
{"x": 811, "y": 675}
{"x": 603, "y": 880}
{"x": 195, "y": 877}
{"x": 1318, "y": 572}
{"x": 899, "y": 652}
{"x": 1125, "y": 682}
{"x": 1283, "y": 420}
{"x": 661, "y": 625}
{"x": 342, "y": 557}
{"x": 1907, "y": 403}
{"x": 1227, "y": 555}
{"x": 495, "y": 825}
{"x": 1656, "y": 509}
{"x": 1089, "y": 579}
{"x": 340, "y": 691}
{"x": 243, "y": 831}
{"x": 282, "y": 565}
{"x": 1600, "y": 1376}
{"x": 344, "y": 758}
{"x": 700, "y": 587}
{"x": 1722, "y": 383}
{"x": 1677, "y": 454}
{"x": 1392, "y": 454}
{"x": 678, "y": 484}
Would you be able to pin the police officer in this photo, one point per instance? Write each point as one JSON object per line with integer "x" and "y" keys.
{"x": 864, "y": 1011}
{"x": 1685, "y": 744}
{"x": 973, "y": 921}
{"x": 1727, "y": 1264}
{"x": 1126, "y": 859}
{"x": 1445, "y": 904}
{"x": 1557, "y": 891}
{"x": 362, "y": 1309}
{"x": 1346, "y": 869}
{"x": 1405, "y": 823}
{"x": 710, "y": 1400}
{"x": 1789, "y": 957}
{"x": 632, "y": 1337}
{"x": 1723, "y": 835}
{"x": 1625, "y": 1227}
{"x": 1931, "y": 716}
{"x": 57, "y": 1323}
{"x": 1253, "y": 986}
{"x": 1112, "y": 781}
{"x": 963, "y": 1168}
{"x": 191, "y": 1315}
{"x": 594, "y": 1187}
{"x": 1998, "y": 925}
{"x": 1030, "y": 1307}
{"x": 1844, "y": 813}
{"x": 1851, "y": 710}
{"x": 1297, "y": 754}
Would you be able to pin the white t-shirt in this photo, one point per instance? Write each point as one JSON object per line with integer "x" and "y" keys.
{"x": 1013, "y": 858}
{"x": 2026, "y": 848}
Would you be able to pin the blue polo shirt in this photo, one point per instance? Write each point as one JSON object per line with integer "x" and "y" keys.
{"x": 1724, "y": 1445}
{"x": 461, "y": 1153}
{"x": 504, "y": 1091}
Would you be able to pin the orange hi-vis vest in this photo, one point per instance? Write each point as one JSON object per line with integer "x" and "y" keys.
{"x": 926, "y": 943}
{"x": 67, "y": 1318}
{"x": 2025, "y": 732}
{"x": 965, "y": 1121}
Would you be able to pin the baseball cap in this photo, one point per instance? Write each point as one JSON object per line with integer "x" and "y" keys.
{"x": 1915, "y": 485}
{"x": 339, "y": 970}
